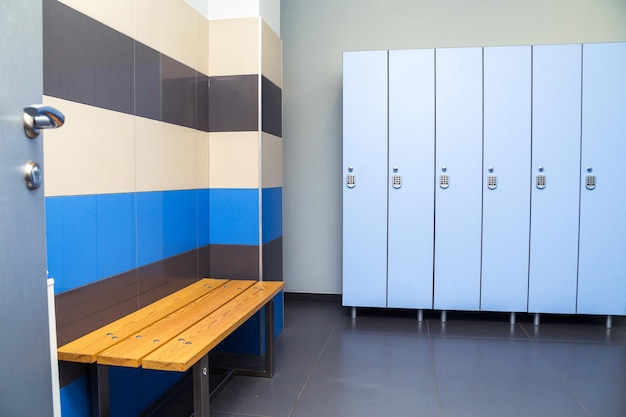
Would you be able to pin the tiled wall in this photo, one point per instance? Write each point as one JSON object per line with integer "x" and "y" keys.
{"x": 168, "y": 168}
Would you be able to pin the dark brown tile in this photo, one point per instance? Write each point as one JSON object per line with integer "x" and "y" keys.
{"x": 272, "y": 108}
{"x": 86, "y": 61}
{"x": 234, "y": 261}
{"x": 147, "y": 82}
{"x": 178, "y": 89}
{"x": 233, "y": 103}
{"x": 273, "y": 260}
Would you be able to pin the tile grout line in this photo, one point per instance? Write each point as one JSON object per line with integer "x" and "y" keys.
{"x": 432, "y": 358}
{"x": 312, "y": 369}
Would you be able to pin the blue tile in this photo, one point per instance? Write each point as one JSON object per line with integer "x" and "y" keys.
{"x": 116, "y": 234}
{"x": 149, "y": 228}
{"x": 54, "y": 239}
{"x": 75, "y": 398}
{"x": 79, "y": 242}
{"x": 133, "y": 390}
{"x": 234, "y": 216}
{"x": 203, "y": 218}
{"x": 272, "y": 214}
{"x": 179, "y": 222}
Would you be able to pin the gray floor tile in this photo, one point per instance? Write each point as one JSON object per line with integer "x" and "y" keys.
{"x": 309, "y": 316}
{"x": 299, "y": 347}
{"x": 386, "y": 363}
{"x": 383, "y": 324}
{"x": 372, "y": 350}
{"x": 274, "y": 396}
{"x": 572, "y": 332}
{"x": 587, "y": 361}
{"x": 500, "y": 396}
{"x": 489, "y": 357}
{"x": 368, "y": 392}
{"x": 477, "y": 329}
{"x": 600, "y": 398}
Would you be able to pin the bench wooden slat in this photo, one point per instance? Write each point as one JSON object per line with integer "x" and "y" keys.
{"x": 86, "y": 348}
{"x": 131, "y": 350}
{"x": 180, "y": 353}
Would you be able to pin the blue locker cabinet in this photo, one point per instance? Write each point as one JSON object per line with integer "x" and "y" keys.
{"x": 410, "y": 178}
{"x": 556, "y": 112}
{"x": 506, "y": 173}
{"x": 602, "y": 259}
{"x": 365, "y": 179}
{"x": 458, "y": 168}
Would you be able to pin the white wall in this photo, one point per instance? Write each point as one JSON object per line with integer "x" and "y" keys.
{"x": 315, "y": 33}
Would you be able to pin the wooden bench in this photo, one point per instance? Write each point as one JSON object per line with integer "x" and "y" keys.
{"x": 176, "y": 333}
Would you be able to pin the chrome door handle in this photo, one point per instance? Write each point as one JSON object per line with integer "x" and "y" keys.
{"x": 38, "y": 116}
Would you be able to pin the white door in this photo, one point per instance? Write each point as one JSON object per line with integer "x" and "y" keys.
{"x": 365, "y": 179}
{"x": 602, "y": 264}
{"x": 555, "y": 174}
{"x": 411, "y": 165}
{"x": 458, "y": 196}
{"x": 506, "y": 189}
{"x": 25, "y": 384}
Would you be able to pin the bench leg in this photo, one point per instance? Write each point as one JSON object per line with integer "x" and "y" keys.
{"x": 100, "y": 405}
{"x": 269, "y": 339}
{"x": 201, "y": 387}
{"x": 267, "y": 366}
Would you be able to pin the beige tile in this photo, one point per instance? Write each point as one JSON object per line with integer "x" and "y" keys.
{"x": 272, "y": 161}
{"x": 203, "y": 159}
{"x": 234, "y": 46}
{"x": 118, "y": 14}
{"x": 203, "y": 44}
{"x": 148, "y": 22}
{"x": 272, "y": 55}
{"x": 82, "y": 157}
{"x": 234, "y": 159}
{"x": 178, "y": 32}
{"x": 166, "y": 156}
{"x": 170, "y": 27}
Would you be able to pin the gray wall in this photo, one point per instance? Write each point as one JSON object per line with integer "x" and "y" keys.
{"x": 316, "y": 32}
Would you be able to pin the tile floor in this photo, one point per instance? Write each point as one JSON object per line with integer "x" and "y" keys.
{"x": 386, "y": 363}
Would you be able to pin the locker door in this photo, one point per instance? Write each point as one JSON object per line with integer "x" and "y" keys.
{"x": 411, "y": 165}
{"x": 458, "y": 175}
{"x": 506, "y": 189}
{"x": 365, "y": 179}
{"x": 602, "y": 264}
{"x": 555, "y": 159}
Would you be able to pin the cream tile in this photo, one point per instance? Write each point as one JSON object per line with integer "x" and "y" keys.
{"x": 167, "y": 156}
{"x": 234, "y": 46}
{"x": 271, "y": 55}
{"x": 203, "y": 159}
{"x": 203, "y": 44}
{"x": 234, "y": 160}
{"x": 118, "y": 14}
{"x": 148, "y": 22}
{"x": 178, "y": 32}
{"x": 82, "y": 157}
{"x": 272, "y": 161}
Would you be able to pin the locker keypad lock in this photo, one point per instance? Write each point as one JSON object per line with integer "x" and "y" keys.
{"x": 492, "y": 182}
{"x": 396, "y": 181}
{"x": 444, "y": 181}
{"x": 541, "y": 181}
{"x": 350, "y": 180}
{"x": 590, "y": 182}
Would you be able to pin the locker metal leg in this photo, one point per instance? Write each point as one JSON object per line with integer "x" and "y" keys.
{"x": 444, "y": 316}
{"x": 536, "y": 323}
{"x": 512, "y": 319}
{"x": 609, "y": 321}
{"x": 353, "y": 313}
{"x": 420, "y": 315}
